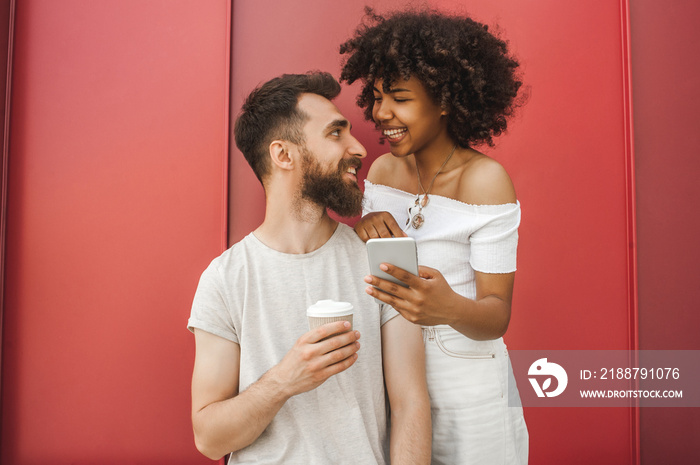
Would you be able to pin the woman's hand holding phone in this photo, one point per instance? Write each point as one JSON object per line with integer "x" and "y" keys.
{"x": 428, "y": 300}
{"x": 421, "y": 294}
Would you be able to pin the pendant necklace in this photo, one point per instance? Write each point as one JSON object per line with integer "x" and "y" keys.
{"x": 415, "y": 215}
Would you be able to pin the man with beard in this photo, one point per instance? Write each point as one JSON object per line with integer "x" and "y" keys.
{"x": 265, "y": 388}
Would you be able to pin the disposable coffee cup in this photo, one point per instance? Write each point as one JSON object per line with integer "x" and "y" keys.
{"x": 329, "y": 311}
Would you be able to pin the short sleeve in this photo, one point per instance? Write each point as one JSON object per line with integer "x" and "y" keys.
{"x": 210, "y": 311}
{"x": 494, "y": 244}
{"x": 368, "y": 200}
{"x": 367, "y": 205}
{"x": 387, "y": 313}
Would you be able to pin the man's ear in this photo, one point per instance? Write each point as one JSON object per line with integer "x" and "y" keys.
{"x": 281, "y": 154}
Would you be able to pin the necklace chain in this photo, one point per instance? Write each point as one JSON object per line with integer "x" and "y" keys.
{"x": 417, "y": 219}
{"x": 436, "y": 174}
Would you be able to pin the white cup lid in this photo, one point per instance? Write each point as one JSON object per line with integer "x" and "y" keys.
{"x": 326, "y": 308}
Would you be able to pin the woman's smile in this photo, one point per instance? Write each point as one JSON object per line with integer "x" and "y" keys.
{"x": 394, "y": 135}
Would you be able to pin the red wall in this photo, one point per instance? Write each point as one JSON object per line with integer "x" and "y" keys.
{"x": 568, "y": 152}
{"x": 665, "y": 66}
{"x": 116, "y": 204}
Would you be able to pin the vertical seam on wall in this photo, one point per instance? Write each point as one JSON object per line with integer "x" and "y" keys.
{"x": 4, "y": 181}
{"x": 227, "y": 126}
{"x": 633, "y": 307}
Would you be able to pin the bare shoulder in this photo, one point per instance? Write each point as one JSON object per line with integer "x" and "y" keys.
{"x": 484, "y": 181}
{"x": 386, "y": 170}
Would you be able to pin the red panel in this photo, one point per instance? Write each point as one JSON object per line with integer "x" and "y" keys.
{"x": 117, "y": 200}
{"x": 666, "y": 100}
{"x": 272, "y": 37}
{"x": 7, "y": 22}
{"x": 568, "y": 152}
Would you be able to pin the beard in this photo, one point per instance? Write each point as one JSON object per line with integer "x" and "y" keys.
{"x": 330, "y": 190}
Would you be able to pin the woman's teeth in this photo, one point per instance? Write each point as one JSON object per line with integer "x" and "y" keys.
{"x": 394, "y": 133}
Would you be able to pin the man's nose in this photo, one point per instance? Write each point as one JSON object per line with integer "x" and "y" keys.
{"x": 356, "y": 149}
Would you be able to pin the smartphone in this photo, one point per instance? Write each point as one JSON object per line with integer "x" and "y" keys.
{"x": 398, "y": 251}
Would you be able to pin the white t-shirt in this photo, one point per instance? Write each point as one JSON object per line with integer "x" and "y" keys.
{"x": 257, "y": 297}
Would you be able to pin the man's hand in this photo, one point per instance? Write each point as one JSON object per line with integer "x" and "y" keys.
{"x": 225, "y": 420}
{"x": 314, "y": 359}
{"x": 378, "y": 224}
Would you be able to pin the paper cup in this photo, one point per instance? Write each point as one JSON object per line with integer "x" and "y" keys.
{"x": 328, "y": 311}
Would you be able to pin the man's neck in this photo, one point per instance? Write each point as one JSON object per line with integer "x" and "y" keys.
{"x": 294, "y": 226}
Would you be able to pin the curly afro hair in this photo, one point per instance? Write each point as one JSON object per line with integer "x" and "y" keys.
{"x": 464, "y": 68}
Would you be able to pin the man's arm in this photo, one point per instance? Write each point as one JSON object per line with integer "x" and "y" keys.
{"x": 224, "y": 420}
{"x": 404, "y": 372}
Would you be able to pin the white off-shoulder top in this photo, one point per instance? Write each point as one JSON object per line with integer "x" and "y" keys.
{"x": 456, "y": 238}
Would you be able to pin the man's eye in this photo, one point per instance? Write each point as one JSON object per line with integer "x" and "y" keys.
{"x": 335, "y": 132}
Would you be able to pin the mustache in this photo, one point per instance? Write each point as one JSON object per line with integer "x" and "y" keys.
{"x": 350, "y": 163}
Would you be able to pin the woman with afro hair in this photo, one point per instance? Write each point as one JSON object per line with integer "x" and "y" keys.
{"x": 436, "y": 86}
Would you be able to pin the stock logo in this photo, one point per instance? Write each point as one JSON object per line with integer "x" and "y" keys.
{"x": 547, "y": 370}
